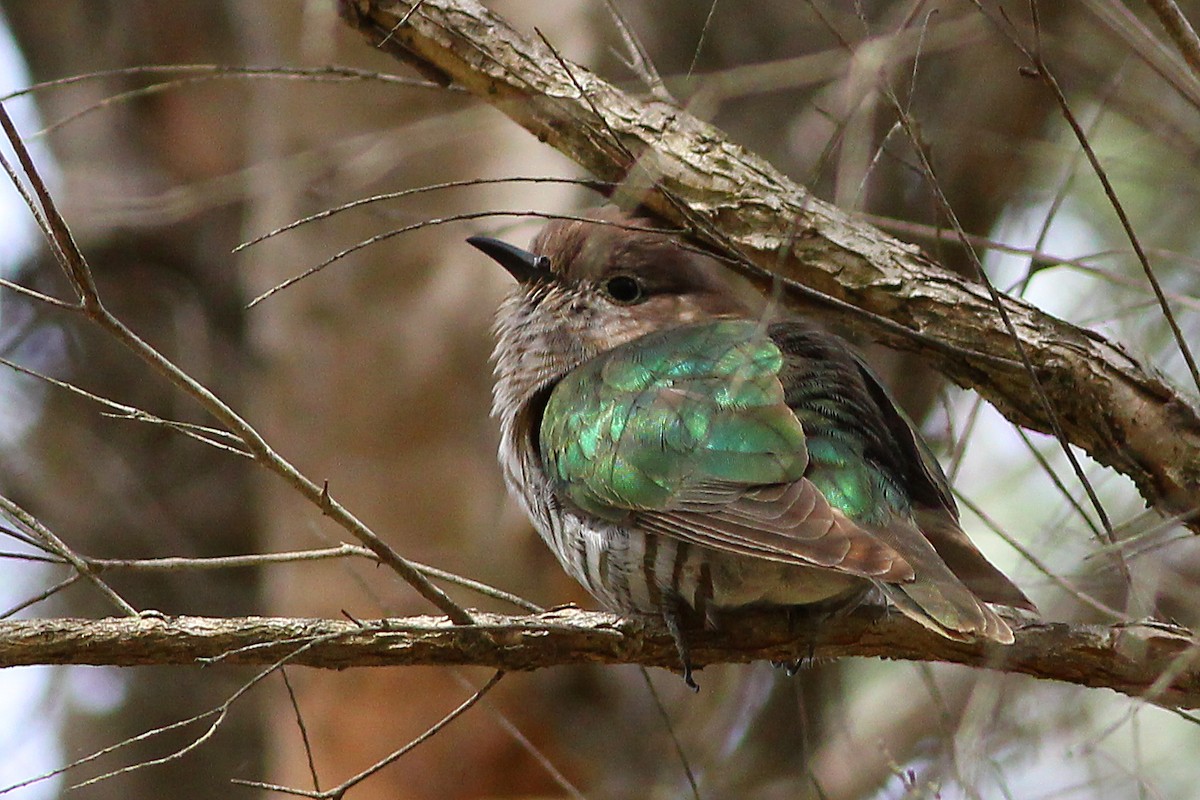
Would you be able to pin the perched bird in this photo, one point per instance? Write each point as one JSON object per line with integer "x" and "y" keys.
{"x": 682, "y": 457}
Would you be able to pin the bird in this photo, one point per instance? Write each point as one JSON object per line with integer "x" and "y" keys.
{"x": 684, "y": 455}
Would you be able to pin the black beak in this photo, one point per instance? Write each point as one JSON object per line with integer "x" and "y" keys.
{"x": 521, "y": 264}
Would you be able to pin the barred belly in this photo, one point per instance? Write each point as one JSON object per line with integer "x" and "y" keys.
{"x": 631, "y": 571}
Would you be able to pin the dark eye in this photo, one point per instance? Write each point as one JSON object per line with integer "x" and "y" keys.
{"x": 624, "y": 289}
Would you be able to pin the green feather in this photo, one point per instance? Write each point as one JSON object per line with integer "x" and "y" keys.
{"x": 639, "y": 426}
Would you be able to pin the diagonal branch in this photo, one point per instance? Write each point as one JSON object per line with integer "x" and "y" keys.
{"x": 1118, "y": 410}
{"x": 1157, "y": 662}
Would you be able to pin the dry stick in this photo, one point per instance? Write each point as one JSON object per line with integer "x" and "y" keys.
{"x": 639, "y": 59}
{"x": 1043, "y": 72}
{"x": 362, "y": 201}
{"x": 400, "y": 24}
{"x": 525, "y": 743}
{"x": 30, "y": 293}
{"x": 1128, "y": 657}
{"x": 220, "y": 711}
{"x": 331, "y": 72}
{"x": 308, "y": 753}
{"x": 110, "y": 749}
{"x": 1180, "y": 30}
{"x": 340, "y": 790}
{"x": 1048, "y": 260}
{"x": 981, "y": 274}
{"x": 1146, "y": 47}
{"x": 1043, "y": 398}
{"x": 1041, "y": 566}
{"x": 170, "y": 564}
{"x": 416, "y": 226}
{"x": 72, "y": 579}
{"x": 712, "y": 9}
{"x": 163, "y": 86}
{"x": 80, "y": 275}
{"x": 678, "y": 745}
{"x": 1136, "y": 546}
{"x": 179, "y": 564}
{"x": 1057, "y": 481}
{"x": 60, "y": 548}
{"x": 200, "y": 433}
{"x": 960, "y": 235}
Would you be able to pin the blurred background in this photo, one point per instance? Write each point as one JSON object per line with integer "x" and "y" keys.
{"x": 374, "y": 375}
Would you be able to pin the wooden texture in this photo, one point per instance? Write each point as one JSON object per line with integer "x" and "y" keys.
{"x": 1157, "y": 662}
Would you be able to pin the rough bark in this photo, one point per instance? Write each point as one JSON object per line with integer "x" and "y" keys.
{"x": 1107, "y": 403}
{"x": 1154, "y": 661}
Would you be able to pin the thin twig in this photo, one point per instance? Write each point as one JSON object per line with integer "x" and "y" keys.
{"x": 670, "y": 726}
{"x": 1022, "y": 352}
{"x": 30, "y": 293}
{"x": 639, "y": 59}
{"x": 1047, "y": 77}
{"x": 382, "y": 237}
{"x": 1058, "y": 483}
{"x": 308, "y": 753}
{"x": 340, "y": 790}
{"x": 1044, "y": 260}
{"x": 400, "y": 24}
{"x": 1180, "y": 30}
{"x": 60, "y": 548}
{"x": 201, "y": 433}
{"x": 220, "y": 712}
{"x": 330, "y": 72}
{"x": 362, "y": 201}
{"x": 341, "y": 551}
{"x": 712, "y": 9}
{"x": 45, "y": 594}
{"x": 526, "y": 744}
{"x": 165, "y": 86}
{"x": 80, "y": 275}
{"x": 1083, "y": 597}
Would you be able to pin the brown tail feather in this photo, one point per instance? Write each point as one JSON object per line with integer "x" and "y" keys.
{"x": 967, "y": 563}
{"x": 954, "y": 621}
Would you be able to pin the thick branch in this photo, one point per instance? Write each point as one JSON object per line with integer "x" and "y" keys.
{"x": 1122, "y": 413}
{"x": 1154, "y": 661}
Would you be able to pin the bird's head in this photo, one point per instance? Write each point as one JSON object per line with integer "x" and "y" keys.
{"x": 587, "y": 286}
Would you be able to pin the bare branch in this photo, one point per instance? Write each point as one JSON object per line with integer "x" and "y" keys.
{"x": 1121, "y": 412}
{"x": 50, "y": 543}
{"x": 1180, "y": 30}
{"x": 1157, "y": 662}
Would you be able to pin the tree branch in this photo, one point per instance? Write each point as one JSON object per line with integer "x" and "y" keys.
{"x": 1157, "y": 662}
{"x": 1121, "y": 412}
{"x": 1180, "y": 30}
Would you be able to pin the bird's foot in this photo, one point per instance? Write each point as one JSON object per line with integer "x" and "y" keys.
{"x": 804, "y": 623}
{"x": 673, "y": 617}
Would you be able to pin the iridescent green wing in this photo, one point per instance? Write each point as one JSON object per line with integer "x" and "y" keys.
{"x": 644, "y": 425}
{"x": 687, "y": 433}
